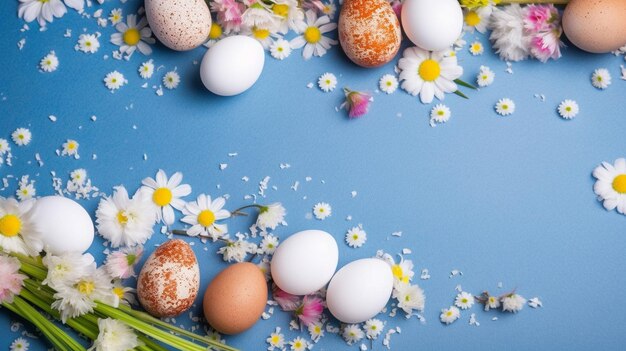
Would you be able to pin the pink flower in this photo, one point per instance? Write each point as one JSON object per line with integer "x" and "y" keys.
{"x": 546, "y": 45}
{"x": 396, "y": 6}
{"x": 310, "y": 311}
{"x": 357, "y": 103}
{"x": 11, "y": 280}
{"x": 315, "y": 5}
{"x": 229, "y": 14}
{"x": 540, "y": 17}
{"x": 285, "y": 300}
{"x": 121, "y": 264}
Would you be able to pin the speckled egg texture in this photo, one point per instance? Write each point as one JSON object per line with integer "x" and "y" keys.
{"x": 179, "y": 24}
{"x": 596, "y": 26}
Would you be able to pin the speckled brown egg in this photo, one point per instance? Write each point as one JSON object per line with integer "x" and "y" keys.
{"x": 179, "y": 24}
{"x": 596, "y": 26}
{"x": 236, "y": 298}
{"x": 169, "y": 280}
{"x": 369, "y": 32}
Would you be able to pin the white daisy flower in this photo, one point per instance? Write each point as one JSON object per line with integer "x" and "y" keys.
{"x": 262, "y": 35}
{"x": 356, "y": 237}
{"x": 280, "y": 49}
{"x": 236, "y": 251}
{"x": 70, "y": 148}
{"x": 388, "y": 83}
{"x": 410, "y": 297}
{"x": 477, "y": 19}
{"x": 513, "y": 303}
{"x": 271, "y": 216}
{"x": 66, "y": 268}
{"x": 259, "y": 15}
{"x": 88, "y": 43}
{"x": 352, "y": 333}
{"x": 329, "y": 8}
{"x": 316, "y": 331}
{"x": 492, "y": 303}
{"x": 78, "y": 176}
{"x": 125, "y": 294}
{"x": 133, "y": 35}
{"x": 610, "y": 185}
{"x": 49, "y": 63}
{"x": 327, "y": 82}
{"x": 4, "y": 146}
{"x": 166, "y": 194}
{"x": 476, "y": 48}
{"x": 114, "y": 335}
{"x": 449, "y": 315}
{"x": 276, "y": 339}
{"x": 21, "y": 136}
{"x": 115, "y": 16}
{"x": 18, "y": 231}
{"x": 429, "y": 74}
{"x": 269, "y": 244}
{"x": 298, "y": 344}
{"x": 19, "y": 344}
{"x": 26, "y": 191}
{"x": 114, "y": 80}
{"x": 311, "y": 30}
{"x": 464, "y": 300}
{"x": 171, "y": 79}
{"x": 508, "y": 37}
{"x": 505, "y": 107}
{"x": 440, "y": 113}
{"x": 203, "y": 215}
{"x": 289, "y": 12}
{"x": 373, "y": 328}
{"x": 568, "y": 109}
{"x": 485, "y": 76}
{"x": 146, "y": 69}
{"x": 601, "y": 78}
{"x": 125, "y": 221}
{"x": 42, "y": 11}
{"x": 322, "y": 210}
{"x": 402, "y": 271}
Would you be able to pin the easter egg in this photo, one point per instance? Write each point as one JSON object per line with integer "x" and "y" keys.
{"x": 432, "y": 25}
{"x": 305, "y": 262}
{"x": 597, "y": 26}
{"x": 179, "y": 24}
{"x": 65, "y": 226}
{"x": 232, "y": 65}
{"x": 236, "y": 298}
{"x": 359, "y": 290}
{"x": 169, "y": 280}
{"x": 369, "y": 32}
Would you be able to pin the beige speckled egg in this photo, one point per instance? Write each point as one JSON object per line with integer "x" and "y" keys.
{"x": 596, "y": 26}
{"x": 169, "y": 280}
{"x": 179, "y": 24}
{"x": 236, "y": 298}
{"x": 369, "y": 32}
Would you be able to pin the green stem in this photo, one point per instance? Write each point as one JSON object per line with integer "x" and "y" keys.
{"x": 238, "y": 212}
{"x": 33, "y": 271}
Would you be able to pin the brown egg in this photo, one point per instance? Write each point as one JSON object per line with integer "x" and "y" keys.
{"x": 236, "y": 298}
{"x": 179, "y": 24}
{"x": 369, "y": 32}
{"x": 169, "y": 280}
{"x": 596, "y": 26}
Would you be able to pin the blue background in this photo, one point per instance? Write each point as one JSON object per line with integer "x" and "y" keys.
{"x": 503, "y": 199}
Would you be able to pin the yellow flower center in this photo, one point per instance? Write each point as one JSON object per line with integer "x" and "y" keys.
{"x": 119, "y": 291}
{"x": 260, "y": 34}
{"x": 312, "y": 35}
{"x": 449, "y": 313}
{"x": 132, "y": 36}
{"x": 281, "y": 10}
{"x": 355, "y": 236}
{"x": 568, "y": 109}
{"x": 472, "y": 18}
{"x": 275, "y": 339}
{"x": 206, "y": 218}
{"x": 505, "y": 107}
{"x": 619, "y": 184}
{"x": 122, "y": 217}
{"x": 429, "y": 70}
{"x": 71, "y": 145}
{"x": 464, "y": 300}
{"x": 162, "y": 196}
{"x": 10, "y": 225}
{"x": 85, "y": 287}
{"x": 216, "y": 31}
{"x": 440, "y": 113}
{"x": 397, "y": 271}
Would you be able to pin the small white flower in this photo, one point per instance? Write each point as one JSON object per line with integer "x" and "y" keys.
{"x": 439, "y": 114}
{"x": 115, "y": 16}
{"x": 568, "y": 109}
{"x": 276, "y": 339}
{"x": 18, "y": 231}
{"x": 327, "y": 82}
{"x": 171, "y": 79}
{"x": 21, "y": 136}
{"x": 485, "y": 76}
{"x": 492, "y": 303}
{"x": 464, "y": 300}
{"x": 78, "y": 176}
{"x": 322, "y": 210}
{"x": 70, "y": 148}
{"x": 513, "y": 303}
{"x": 88, "y": 43}
{"x": 114, "y": 80}
{"x": 311, "y": 36}
{"x": 410, "y": 297}
{"x": 271, "y": 216}
{"x": 477, "y": 19}
{"x": 601, "y": 78}
{"x": 67, "y": 268}
{"x": 476, "y": 48}
{"x": 388, "y": 83}
{"x": 166, "y": 194}
{"x": 280, "y": 49}
{"x": 4, "y": 146}
{"x": 146, "y": 69}
{"x": 610, "y": 185}
{"x": 133, "y": 35}
{"x": 352, "y": 333}
{"x": 373, "y": 328}
{"x": 43, "y": 11}
{"x": 402, "y": 271}
{"x": 316, "y": 331}
{"x": 449, "y": 315}
{"x": 356, "y": 237}
{"x": 114, "y": 335}
{"x": 269, "y": 244}
{"x": 203, "y": 215}
{"x": 236, "y": 251}
{"x": 505, "y": 107}
{"x": 19, "y": 344}
{"x": 535, "y": 302}
{"x": 26, "y": 191}
{"x": 49, "y": 63}
{"x": 298, "y": 344}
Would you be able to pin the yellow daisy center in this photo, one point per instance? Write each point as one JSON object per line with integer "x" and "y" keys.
{"x": 397, "y": 271}
{"x": 429, "y": 70}
{"x": 440, "y": 112}
{"x": 71, "y": 145}
{"x": 10, "y": 225}
{"x": 260, "y": 34}
{"x": 43, "y": 1}
{"x": 472, "y": 18}
{"x": 449, "y": 313}
{"x": 312, "y": 35}
{"x": 206, "y": 218}
{"x": 162, "y": 196}
{"x": 85, "y": 287}
{"x": 132, "y": 36}
{"x": 297, "y": 344}
{"x": 216, "y": 31}
{"x": 281, "y": 10}
{"x": 119, "y": 291}
{"x": 275, "y": 339}
{"x": 122, "y": 218}
{"x": 355, "y": 236}
{"x": 464, "y": 300}
{"x": 619, "y": 184}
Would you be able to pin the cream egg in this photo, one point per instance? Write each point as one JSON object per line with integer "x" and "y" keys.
{"x": 179, "y": 24}
{"x": 597, "y": 26}
{"x": 305, "y": 262}
{"x": 359, "y": 290}
{"x": 232, "y": 65}
{"x": 65, "y": 226}
{"x": 432, "y": 25}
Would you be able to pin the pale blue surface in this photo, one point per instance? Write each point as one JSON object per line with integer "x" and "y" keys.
{"x": 503, "y": 199}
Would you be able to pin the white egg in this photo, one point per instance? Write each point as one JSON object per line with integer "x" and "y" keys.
{"x": 232, "y": 65}
{"x": 305, "y": 262}
{"x": 64, "y": 224}
{"x": 359, "y": 290}
{"x": 432, "y": 25}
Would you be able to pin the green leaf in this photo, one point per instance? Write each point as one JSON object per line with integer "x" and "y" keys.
{"x": 459, "y": 93}
{"x": 464, "y": 84}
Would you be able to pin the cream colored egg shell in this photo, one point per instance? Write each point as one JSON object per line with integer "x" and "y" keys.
{"x": 179, "y": 24}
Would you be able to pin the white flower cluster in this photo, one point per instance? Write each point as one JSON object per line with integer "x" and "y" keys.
{"x": 410, "y": 297}
{"x": 510, "y": 302}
